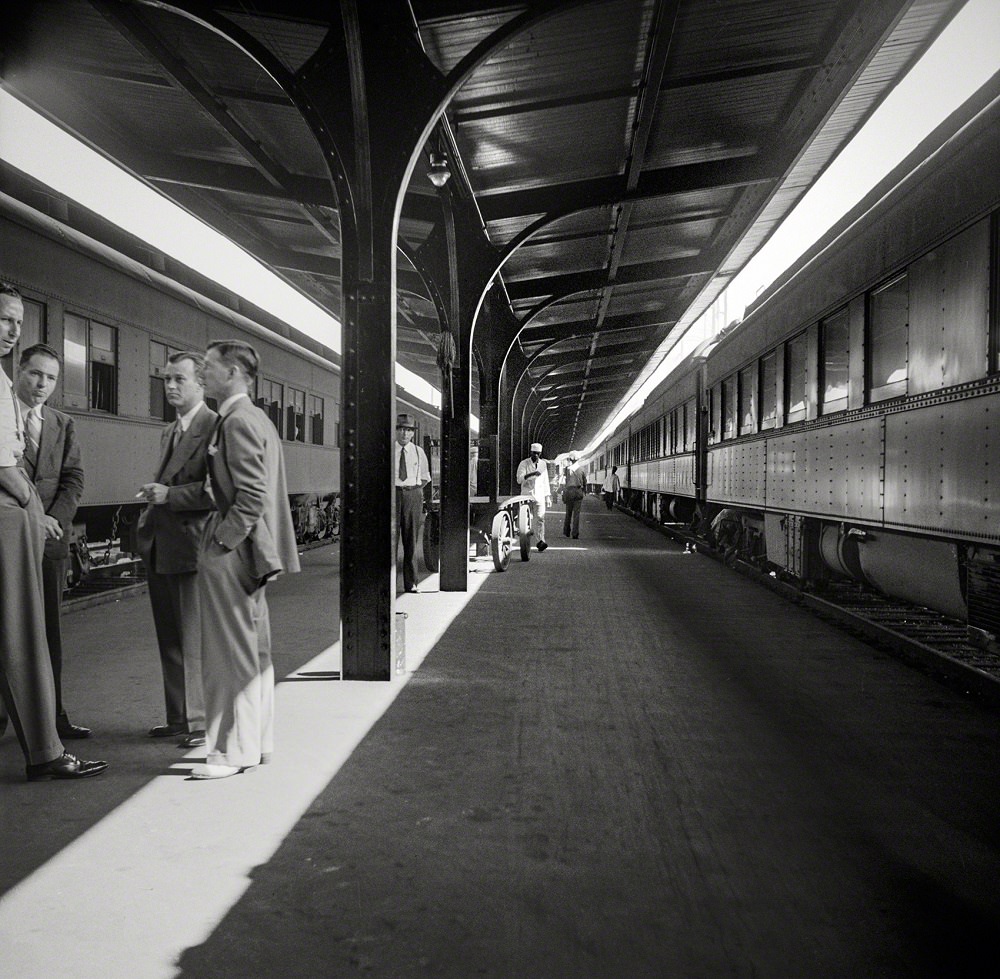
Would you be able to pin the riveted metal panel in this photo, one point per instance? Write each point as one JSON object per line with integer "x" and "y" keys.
{"x": 833, "y": 471}
{"x": 941, "y": 468}
{"x": 736, "y": 473}
{"x": 677, "y": 475}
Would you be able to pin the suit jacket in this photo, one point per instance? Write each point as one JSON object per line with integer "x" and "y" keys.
{"x": 57, "y": 475}
{"x": 168, "y": 534}
{"x": 248, "y": 482}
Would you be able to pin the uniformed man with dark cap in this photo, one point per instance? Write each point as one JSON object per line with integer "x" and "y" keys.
{"x": 412, "y": 474}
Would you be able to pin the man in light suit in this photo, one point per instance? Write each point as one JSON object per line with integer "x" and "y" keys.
{"x": 52, "y": 460}
{"x": 168, "y": 537}
{"x": 250, "y": 540}
{"x": 26, "y": 686}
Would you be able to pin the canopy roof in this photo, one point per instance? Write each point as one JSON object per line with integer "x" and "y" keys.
{"x": 638, "y": 152}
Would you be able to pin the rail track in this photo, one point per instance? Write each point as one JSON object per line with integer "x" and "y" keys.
{"x": 943, "y": 648}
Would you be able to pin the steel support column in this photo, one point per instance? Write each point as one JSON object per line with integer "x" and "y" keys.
{"x": 352, "y": 83}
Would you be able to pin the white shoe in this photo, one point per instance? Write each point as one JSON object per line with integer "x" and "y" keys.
{"x": 214, "y": 771}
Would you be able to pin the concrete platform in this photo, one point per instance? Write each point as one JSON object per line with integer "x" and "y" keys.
{"x": 614, "y": 760}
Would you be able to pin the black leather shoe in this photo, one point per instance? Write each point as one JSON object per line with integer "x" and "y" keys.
{"x": 542, "y": 545}
{"x": 65, "y": 766}
{"x": 69, "y": 731}
{"x": 168, "y": 730}
{"x": 194, "y": 740}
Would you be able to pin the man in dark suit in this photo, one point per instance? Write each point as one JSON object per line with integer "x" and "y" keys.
{"x": 26, "y": 686}
{"x": 249, "y": 541}
{"x": 168, "y": 536}
{"x": 52, "y": 460}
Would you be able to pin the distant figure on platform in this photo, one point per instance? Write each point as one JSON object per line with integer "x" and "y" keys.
{"x": 412, "y": 474}
{"x": 26, "y": 686}
{"x": 611, "y": 488}
{"x": 52, "y": 459}
{"x": 533, "y": 478}
{"x": 574, "y": 490}
{"x": 246, "y": 543}
{"x": 168, "y": 536}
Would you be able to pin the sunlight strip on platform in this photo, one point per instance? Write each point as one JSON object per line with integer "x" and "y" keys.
{"x": 158, "y": 874}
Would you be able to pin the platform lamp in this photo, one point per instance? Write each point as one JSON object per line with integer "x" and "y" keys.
{"x": 438, "y": 172}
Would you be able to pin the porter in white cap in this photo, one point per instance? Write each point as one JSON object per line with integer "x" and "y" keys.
{"x": 533, "y": 477}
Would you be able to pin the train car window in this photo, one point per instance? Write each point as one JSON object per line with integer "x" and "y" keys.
{"x": 90, "y": 364}
{"x": 748, "y": 400}
{"x": 159, "y": 407}
{"x": 796, "y": 378}
{"x": 714, "y": 413}
{"x": 315, "y": 419}
{"x": 949, "y": 312}
{"x": 74, "y": 372}
{"x": 769, "y": 390}
{"x": 994, "y": 314}
{"x": 730, "y": 407}
{"x": 834, "y": 361}
{"x": 888, "y": 316}
{"x": 269, "y": 400}
{"x": 103, "y": 367}
{"x": 295, "y": 412}
{"x": 690, "y": 425}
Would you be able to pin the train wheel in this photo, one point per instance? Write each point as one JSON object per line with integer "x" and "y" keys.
{"x": 501, "y": 540}
{"x": 524, "y": 531}
{"x": 432, "y": 542}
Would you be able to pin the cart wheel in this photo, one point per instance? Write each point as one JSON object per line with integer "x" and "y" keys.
{"x": 501, "y": 540}
{"x": 432, "y": 542}
{"x": 524, "y": 531}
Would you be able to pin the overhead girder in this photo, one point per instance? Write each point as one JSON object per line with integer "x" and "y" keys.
{"x": 559, "y": 201}
{"x": 563, "y": 286}
{"x": 128, "y": 21}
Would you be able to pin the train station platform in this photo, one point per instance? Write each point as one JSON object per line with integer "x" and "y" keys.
{"x": 615, "y": 760}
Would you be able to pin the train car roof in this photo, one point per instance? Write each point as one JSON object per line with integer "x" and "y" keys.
{"x": 267, "y": 326}
{"x": 977, "y": 114}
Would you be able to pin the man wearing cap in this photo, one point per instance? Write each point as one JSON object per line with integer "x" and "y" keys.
{"x": 533, "y": 477}
{"x": 412, "y": 474}
{"x": 574, "y": 490}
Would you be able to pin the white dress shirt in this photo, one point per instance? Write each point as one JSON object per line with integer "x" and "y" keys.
{"x": 11, "y": 424}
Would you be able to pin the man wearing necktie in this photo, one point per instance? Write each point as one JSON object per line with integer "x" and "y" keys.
{"x": 26, "y": 686}
{"x": 168, "y": 537}
{"x": 245, "y": 544}
{"x": 52, "y": 460}
{"x": 412, "y": 474}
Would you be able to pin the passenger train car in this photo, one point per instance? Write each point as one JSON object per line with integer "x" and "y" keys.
{"x": 114, "y": 321}
{"x": 849, "y": 427}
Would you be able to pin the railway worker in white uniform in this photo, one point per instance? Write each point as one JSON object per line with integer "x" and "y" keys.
{"x": 533, "y": 478}
{"x": 611, "y": 488}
